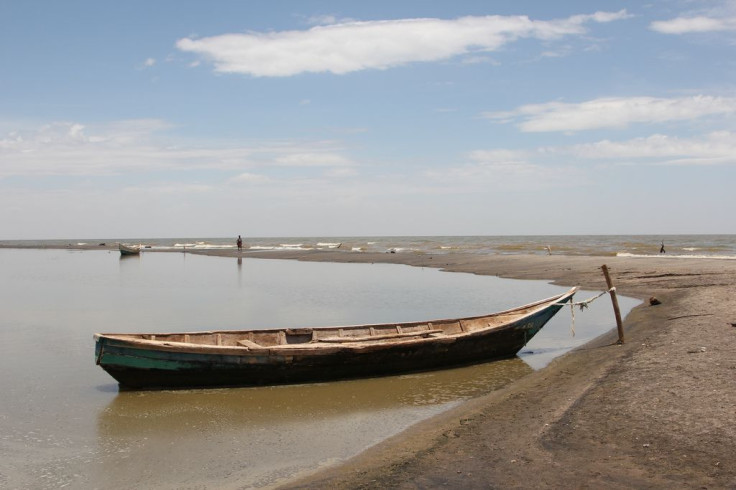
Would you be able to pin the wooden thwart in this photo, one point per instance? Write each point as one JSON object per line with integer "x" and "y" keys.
{"x": 250, "y": 344}
{"x": 368, "y": 338}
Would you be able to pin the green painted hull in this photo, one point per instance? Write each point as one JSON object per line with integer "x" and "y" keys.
{"x": 150, "y": 364}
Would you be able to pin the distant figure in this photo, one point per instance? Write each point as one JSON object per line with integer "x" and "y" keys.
{"x": 240, "y": 244}
{"x": 661, "y": 249}
{"x": 548, "y": 249}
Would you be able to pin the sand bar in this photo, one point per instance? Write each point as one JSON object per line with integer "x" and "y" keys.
{"x": 657, "y": 412}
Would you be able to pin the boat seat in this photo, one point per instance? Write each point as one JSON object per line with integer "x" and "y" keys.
{"x": 250, "y": 344}
{"x": 368, "y": 338}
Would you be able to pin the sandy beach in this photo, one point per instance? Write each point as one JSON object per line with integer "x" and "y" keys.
{"x": 656, "y": 412}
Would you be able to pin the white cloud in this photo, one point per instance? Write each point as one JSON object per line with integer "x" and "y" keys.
{"x": 171, "y": 188}
{"x": 605, "y": 16}
{"x": 69, "y": 148}
{"x": 561, "y": 52}
{"x": 352, "y": 46}
{"x": 149, "y": 62}
{"x": 686, "y": 25}
{"x": 249, "y": 178}
{"x": 317, "y": 20}
{"x": 712, "y": 149}
{"x": 613, "y": 112}
{"x": 568, "y": 166}
{"x": 710, "y": 16}
{"x": 479, "y": 59}
{"x": 507, "y": 170}
{"x": 306, "y": 159}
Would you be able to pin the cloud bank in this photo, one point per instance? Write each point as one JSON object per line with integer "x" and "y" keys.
{"x": 71, "y": 148}
{"x": 710, "y": 16}
{"x": 686, "y": 25}
{"x": 613, "y": 112}
{"x": 353, "y": 46}
{"x": 716, "y": 148}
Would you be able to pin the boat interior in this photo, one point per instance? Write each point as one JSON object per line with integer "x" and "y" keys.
{"x": 326, "y": 336}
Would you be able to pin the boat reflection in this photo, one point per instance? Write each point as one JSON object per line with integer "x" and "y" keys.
{"x": 263, "y": 434}
{"x": 141, "y": 410}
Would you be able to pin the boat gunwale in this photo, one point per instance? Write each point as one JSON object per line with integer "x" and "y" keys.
{"x": 329, "y": 347}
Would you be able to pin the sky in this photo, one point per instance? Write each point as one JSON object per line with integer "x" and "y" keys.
{"x": 180, "y": 118}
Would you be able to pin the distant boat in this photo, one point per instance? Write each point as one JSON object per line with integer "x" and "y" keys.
{"x": 297, "y": 355}
{"x": 129, "y": 249}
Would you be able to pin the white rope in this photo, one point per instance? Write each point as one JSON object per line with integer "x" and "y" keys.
{"x": 582, "y": 304}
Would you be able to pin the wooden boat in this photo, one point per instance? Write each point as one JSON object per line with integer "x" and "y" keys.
{"x": 129, "y": 249}
{"x": 297, "y": 355}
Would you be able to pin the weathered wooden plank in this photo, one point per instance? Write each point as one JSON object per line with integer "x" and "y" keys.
{"x": 423, "y": 333}
{"x": 250, "y": 344}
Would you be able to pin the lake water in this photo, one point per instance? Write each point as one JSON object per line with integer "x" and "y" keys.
{"x": 63, "y": 422}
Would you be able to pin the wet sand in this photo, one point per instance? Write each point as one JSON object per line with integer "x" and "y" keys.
{"x": 656, "y": 412}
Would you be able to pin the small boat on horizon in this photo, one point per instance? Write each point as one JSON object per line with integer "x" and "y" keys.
{"x": 126, "y": 250}
{"x": 300, "y": 355}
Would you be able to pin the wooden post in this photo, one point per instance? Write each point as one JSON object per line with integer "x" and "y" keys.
{"x": 614, "y": 300}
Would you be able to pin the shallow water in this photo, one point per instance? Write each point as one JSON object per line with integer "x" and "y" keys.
{"x": 63, "y": 422}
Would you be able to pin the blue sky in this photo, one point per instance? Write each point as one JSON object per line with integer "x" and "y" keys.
{"x": 333, "y": 118}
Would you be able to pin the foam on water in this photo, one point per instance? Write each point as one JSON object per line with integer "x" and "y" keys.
{"x": 680, "y": 256}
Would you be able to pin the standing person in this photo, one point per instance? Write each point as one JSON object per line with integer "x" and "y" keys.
{"x": 661, "y": 249}
{"x": 240, "y": 244}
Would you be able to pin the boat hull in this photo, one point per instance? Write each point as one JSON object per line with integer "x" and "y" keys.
{"x": 126, "y": 250}
{"x": 142, "y": 366}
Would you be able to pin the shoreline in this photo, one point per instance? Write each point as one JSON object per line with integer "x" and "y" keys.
{"x": 656, "y": 412}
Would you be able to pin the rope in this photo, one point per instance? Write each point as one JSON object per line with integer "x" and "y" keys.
{"x": 582, "y": 304}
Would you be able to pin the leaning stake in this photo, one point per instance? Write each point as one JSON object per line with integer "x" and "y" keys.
{"x": 614, "y": 300}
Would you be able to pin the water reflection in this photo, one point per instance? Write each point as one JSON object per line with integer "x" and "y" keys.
{"x": 274, "y": 404}
{"x": 64, "y": 423}
{"x": 129, "y": 263}
{"x": 277, "y": 431}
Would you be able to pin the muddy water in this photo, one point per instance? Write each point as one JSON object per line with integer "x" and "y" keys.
{"x": 64, "y": 422}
